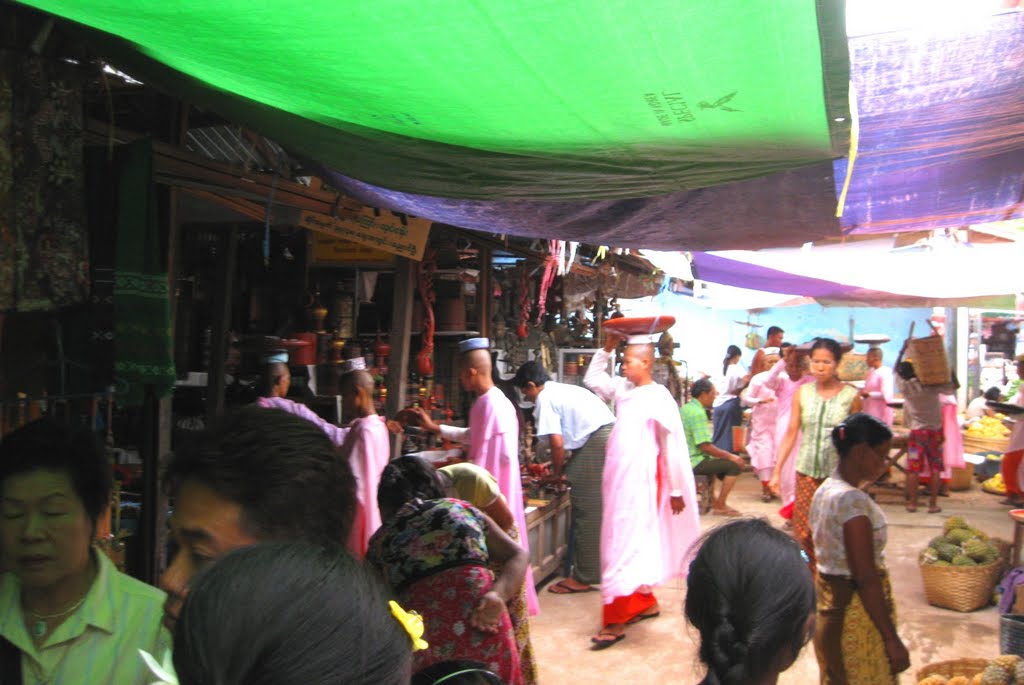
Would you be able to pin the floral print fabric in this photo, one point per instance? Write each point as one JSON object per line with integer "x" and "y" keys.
{"x": 43, "y": 240}
{"x": 426, "y": 537}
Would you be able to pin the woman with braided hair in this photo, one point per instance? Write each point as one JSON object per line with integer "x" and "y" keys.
{"x": 752, "y": 600}
{"x": 856, "y": 640}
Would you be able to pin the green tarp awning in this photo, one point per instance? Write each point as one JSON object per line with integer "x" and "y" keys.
{"x": 504, "y": 100}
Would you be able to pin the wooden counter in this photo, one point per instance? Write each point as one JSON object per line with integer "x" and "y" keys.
{"x": 547, "y": 529}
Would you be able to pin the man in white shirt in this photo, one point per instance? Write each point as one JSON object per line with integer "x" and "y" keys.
{"x": 575, "y": 422}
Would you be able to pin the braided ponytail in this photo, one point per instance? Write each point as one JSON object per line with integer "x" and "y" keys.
{"x": 725, "y": 655}
{"x": 749, "y": 596}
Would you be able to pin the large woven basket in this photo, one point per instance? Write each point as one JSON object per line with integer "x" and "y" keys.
{"x": 929, "y": 358}
{"x": 949, "y": 669}
{"x": 978, "y": 445}
{"x": 960, "y": 588}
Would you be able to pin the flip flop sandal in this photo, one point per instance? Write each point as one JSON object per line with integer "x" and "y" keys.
{"x": 560, "y": 588}
{"x": 600, "y": 644}
{"x": 642, "y": 617}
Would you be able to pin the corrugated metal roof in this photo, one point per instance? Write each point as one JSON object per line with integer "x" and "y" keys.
{"x": 229, "y": 144}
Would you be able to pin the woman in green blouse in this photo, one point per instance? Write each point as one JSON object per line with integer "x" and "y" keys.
{"x": 817, "y": 408}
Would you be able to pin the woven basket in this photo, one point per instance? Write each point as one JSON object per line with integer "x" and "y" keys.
{"x": 962, "y": 478}
{"x": 975, "y": 445}
{"x": 960, "y": 588}
{"x": 948, "y": 669}
{"x": 929, "y": 358}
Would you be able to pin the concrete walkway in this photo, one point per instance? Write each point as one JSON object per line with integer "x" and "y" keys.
{"x": 663, "y": 650}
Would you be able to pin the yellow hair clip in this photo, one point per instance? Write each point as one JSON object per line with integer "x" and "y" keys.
{"x": 413, "y": 624}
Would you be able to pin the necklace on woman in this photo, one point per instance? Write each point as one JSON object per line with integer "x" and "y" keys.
{"x": 40, "y": 621}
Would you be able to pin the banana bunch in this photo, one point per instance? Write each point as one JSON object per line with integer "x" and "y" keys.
{"x": 988, "y": 427}
{"x": 995, "y": 484}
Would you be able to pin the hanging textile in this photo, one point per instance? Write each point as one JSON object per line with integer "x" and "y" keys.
{"x": 142, "y": 323}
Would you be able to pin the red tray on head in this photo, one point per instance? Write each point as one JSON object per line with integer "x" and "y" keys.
{"x": 640, "y": 325}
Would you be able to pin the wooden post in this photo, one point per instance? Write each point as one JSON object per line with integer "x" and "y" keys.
{"x": 401, "y": 322}
{"x": 221, "y": 325}
{"x": 149, "y": 452}
{"x": 483, "y": 292}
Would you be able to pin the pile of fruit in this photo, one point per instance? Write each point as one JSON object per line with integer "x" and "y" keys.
{"x": 959, "y": 545}
{"x": 995, "y": 485}
{"x": 988, "y": 427}
{"x": 1003, "y": 670}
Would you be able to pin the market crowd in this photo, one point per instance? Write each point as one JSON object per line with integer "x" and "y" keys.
{"x": 304, "y": 554}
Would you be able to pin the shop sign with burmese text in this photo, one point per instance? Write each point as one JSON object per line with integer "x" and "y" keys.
{"x": 380, "y": 229}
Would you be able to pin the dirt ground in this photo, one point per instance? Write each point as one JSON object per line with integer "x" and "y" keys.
{"x": 663, "y": 650}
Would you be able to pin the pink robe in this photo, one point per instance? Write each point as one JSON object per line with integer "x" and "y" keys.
{"x": 335, "y": 433}
{"x": 785, "y": 387}
{"x": 493, "y": 439}
{"x": 368, "y": 450}
{"x": 642, "y": 542}
{"x": 953, "y": 440}
{"x": 879, "y": 383}
{"x": 761, "y": 444}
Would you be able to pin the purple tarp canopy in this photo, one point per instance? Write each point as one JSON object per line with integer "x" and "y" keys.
{"x": 939, "y": 272}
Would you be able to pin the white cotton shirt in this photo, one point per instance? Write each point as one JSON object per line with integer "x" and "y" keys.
{"x": 731, "y": 383}
{"x": 835, "y": 503}
{"x": 1017, "y": 434}
{"x": 570, "y": 411}
{"x": 976, "y": 408}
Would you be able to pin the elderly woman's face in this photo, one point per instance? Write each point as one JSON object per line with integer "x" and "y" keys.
{"x": 45, "y": 531}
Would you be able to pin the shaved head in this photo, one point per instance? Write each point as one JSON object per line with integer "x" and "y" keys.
{"x": 475, "y": 371}
{"x": 276, "y": 380}
{"x": 479, "y": 360}
{"x": 356, "y": 380}
{"x": 642, "y": 351}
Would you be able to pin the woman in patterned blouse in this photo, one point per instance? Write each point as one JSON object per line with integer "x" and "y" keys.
{"x": 435, "y": 553}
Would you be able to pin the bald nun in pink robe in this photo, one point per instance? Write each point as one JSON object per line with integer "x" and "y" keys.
{"x": 367, "y": 448}
{"x": 643, "y": 541}
{"x": 493, "y": 438}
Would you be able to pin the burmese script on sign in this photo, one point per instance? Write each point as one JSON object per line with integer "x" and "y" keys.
{"x": 398, "y": 234}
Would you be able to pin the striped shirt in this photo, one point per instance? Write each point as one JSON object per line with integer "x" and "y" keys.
{"x": 99, "y": 643}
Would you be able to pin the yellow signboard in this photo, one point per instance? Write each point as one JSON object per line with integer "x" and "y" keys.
{"x": 329, "y": 250}
{"x": 377, "y": 228}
